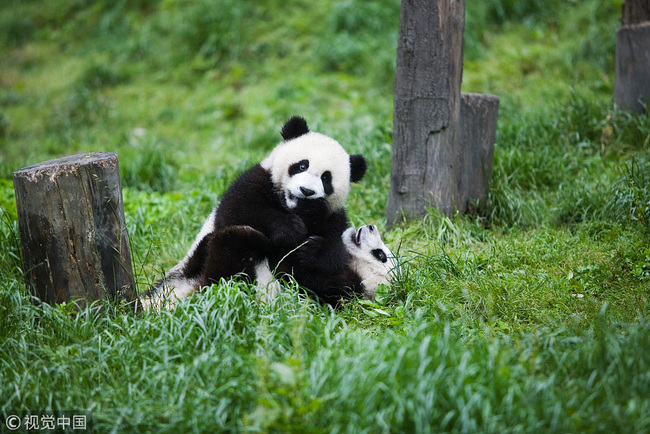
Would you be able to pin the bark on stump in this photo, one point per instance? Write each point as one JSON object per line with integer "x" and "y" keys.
{"x": 71, "y": 220}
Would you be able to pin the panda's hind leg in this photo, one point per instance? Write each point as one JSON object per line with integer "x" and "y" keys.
{"x": 236, "y": 250}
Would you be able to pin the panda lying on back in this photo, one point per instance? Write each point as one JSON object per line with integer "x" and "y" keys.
{"x": 294, "y": 198}
{"x": 371, "y": 264}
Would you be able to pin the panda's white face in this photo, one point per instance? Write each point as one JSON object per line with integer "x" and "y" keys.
{"x": 371, "y": 259}
{"x": 311, "y": 166}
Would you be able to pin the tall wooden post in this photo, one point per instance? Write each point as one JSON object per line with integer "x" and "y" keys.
{"x": 432, "y": 151}
{"x": 632, "y": 83}
{"x": 426, "y": 107}
{"x": 72, "y": 230}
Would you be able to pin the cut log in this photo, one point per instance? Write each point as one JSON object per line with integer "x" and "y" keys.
{"x": 71, "y": 220}
{"x": 478, "y": 120}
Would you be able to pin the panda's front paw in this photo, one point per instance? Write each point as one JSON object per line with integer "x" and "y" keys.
{"x": 289, "y": 232}
{"x": 310, "y": 251}
{"x": 314, "y": 212}
{"x": 326, "y": 254}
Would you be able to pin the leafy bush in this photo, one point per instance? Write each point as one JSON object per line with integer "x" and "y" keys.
{"x": 15, "y": 28}
{"x": 202, "y": 33}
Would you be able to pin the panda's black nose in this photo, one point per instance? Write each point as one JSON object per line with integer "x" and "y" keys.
{"x": 307, "y": 192}
{"x": 371, "y": 227}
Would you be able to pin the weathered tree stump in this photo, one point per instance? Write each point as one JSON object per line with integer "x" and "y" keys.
{"x": 442, "y": 141}
{"x": 71, "y": 220}
{"x": 427, "y": 107}
{"x": 632, "y": 83}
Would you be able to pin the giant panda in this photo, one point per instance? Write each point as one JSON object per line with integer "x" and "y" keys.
{"x": 371, "y": 259}
{"x": 370, "y": 264}
{"x": 297, "y": 193}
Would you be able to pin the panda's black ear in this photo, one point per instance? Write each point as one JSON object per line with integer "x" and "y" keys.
{"x": 358, "y": 167}
{"x": 294, "y": 127}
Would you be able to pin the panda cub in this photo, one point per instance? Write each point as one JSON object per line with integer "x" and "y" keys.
{"x": 371, "y": 263}
{"x": 371, "y": 260}
{"x": 294, "y": 197}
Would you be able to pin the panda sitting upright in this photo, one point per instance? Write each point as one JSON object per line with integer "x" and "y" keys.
{"x": 293, "y": 201}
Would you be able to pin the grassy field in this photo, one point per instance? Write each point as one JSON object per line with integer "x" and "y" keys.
{"x": 530, "y": 316}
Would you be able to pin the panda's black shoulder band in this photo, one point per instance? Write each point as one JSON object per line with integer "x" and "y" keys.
{"x": 294, "y": 127}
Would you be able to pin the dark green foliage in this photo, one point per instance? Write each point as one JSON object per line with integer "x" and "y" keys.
{"x": 530, "y": 11}
{"x": 204, "y": 33}
{"x": 357, "y": 39}
{"x": 17, "y": 29}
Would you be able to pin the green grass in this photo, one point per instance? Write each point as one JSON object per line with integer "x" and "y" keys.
{"x": 528, "y": 316}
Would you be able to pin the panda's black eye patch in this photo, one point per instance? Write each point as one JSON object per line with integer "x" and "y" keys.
{"x": 379, "y": 254}
{"x": 326, "y": 177}
{"x": 298, "y": 167}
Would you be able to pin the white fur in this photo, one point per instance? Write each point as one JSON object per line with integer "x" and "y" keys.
{"x": 267, "y": 285}
{"x": 324, "y": 154}
{"x": 372, "y": 271}
{"x": 172, "y": 289}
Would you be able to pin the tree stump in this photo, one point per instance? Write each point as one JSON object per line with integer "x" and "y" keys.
{"x": 427, "y": 107}
{"x": 478, "y": 119}
{"x": 73, "y": 235}
{"x": 443, "y": 142}
{"x": 632, "y": 83}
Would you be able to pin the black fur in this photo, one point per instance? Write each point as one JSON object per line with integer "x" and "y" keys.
{"x": 253, "y": 201}
{"x": 294, "y": 127}
{"x": 304, "y": 243}
{"x": 232, "y": 251}
{"x": 321, "y": 264}
{"x": 326, "y": 178}
{"x": 250, "y": 201}
{"x": 196, "y": 263}
{"x": 298, "y": 167}
{"x": 331, "y": 286}
{"x": 358, "y": 167}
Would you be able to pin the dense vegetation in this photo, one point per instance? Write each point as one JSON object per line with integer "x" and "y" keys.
{"x": 530, "y": 315}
